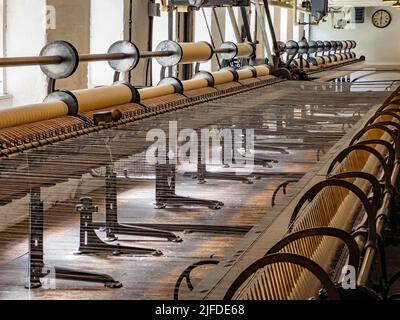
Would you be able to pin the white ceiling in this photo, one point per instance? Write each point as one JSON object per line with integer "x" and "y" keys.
{"x": 360, "y": 3}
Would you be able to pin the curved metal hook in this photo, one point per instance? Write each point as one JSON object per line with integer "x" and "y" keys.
{"x": 390, "y": 148}
{"x": 354, "y": 252}
{"x": 378, "y": 126}
{"x": 383, "y": 113}
{"x": 186, "y": 275}
{"x": 313, "y": 191}
{"x": 359, "y": 147}
{"x": 385, "y": 105}
{"x": 295, "y": 259}
{"x": 376, "y": 186}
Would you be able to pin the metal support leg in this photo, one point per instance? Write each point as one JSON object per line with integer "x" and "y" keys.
{"x": 165, "y": 191}
{"x": 203, "y": 174}
{"x": 113, "y": 227}
{"x": 36, "y": 254}
{"x": 89, "y": 242}
{"x": 36, "y": 262}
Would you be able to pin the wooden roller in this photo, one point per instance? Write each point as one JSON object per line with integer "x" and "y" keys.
{"x": 154, "y": 92}
{"x": 320, "y": 61}
{"x": 230, "y": 50}
{"x": 103, "y": 97}
{"x": 184, "y": 52}
{"x": 221, "y": 77}
{"x": 194, "y": 84}
{"x": 245, "y": 49}
{"x": 338, "y": 57}
{"x": 13, "y": 117}
{"x": 195, "y": 52}
{"x": 262, "y": 71}
{"x": 245, "y": 74}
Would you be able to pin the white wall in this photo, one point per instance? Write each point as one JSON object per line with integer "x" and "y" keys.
{"x": 106, "y": 27}
{"x": 25, "y": 36}
{"x": 378, "y": 45}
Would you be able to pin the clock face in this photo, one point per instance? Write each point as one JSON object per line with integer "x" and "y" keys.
{"x": 381, "y": 19}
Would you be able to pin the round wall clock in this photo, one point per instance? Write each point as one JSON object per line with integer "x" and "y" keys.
{"x": 381, "y": 18}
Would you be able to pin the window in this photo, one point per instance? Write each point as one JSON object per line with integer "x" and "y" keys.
{"x": 284, "y": 25}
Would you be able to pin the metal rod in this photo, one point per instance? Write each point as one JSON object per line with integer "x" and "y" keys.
{"x": 103, "y": 57}
{"x": 155, "y": 54}
{"x": 223, "y": 50}
{"x": 49, "y": 60}
{"x": 29, "y": 61}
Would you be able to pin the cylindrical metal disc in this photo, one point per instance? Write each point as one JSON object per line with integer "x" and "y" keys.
{"x": 320, "y": 45}
{"x": 69, "y": 56}
{"x": 68, "y": 98}
{"x": 339, "y": 45}
{"x": 327, "y": 46}
{"x": 281, "y": 47}
{"x": 127, "y": 64}
{"x": 312, "y": 46}
{"x": 172, "y": 47}
{"x": 303, "y": 46}
{"x": 229, "y": 55}
{"x": 175, "y": 82}
{"x": 292, "y": 47}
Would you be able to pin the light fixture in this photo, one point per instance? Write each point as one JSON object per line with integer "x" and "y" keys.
{"x": 397, "y": 4}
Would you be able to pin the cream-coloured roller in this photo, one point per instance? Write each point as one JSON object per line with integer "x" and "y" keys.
{"x": 195, "y": 52}
{"x": 194, "y": 84}
{"x": 245, "y": 49}
{"x": 17, "y": 116}
{"x": 338, "y": 57}
{"x": 184, "y": 52}
{"x": 221, "y": 77}
{"x": 245, "y": 73}
{"x": 103, "y": 97}
{"x": 320, "y": 61}
{"x": 154, "y": 92}
{"x": 262, "y": 71}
